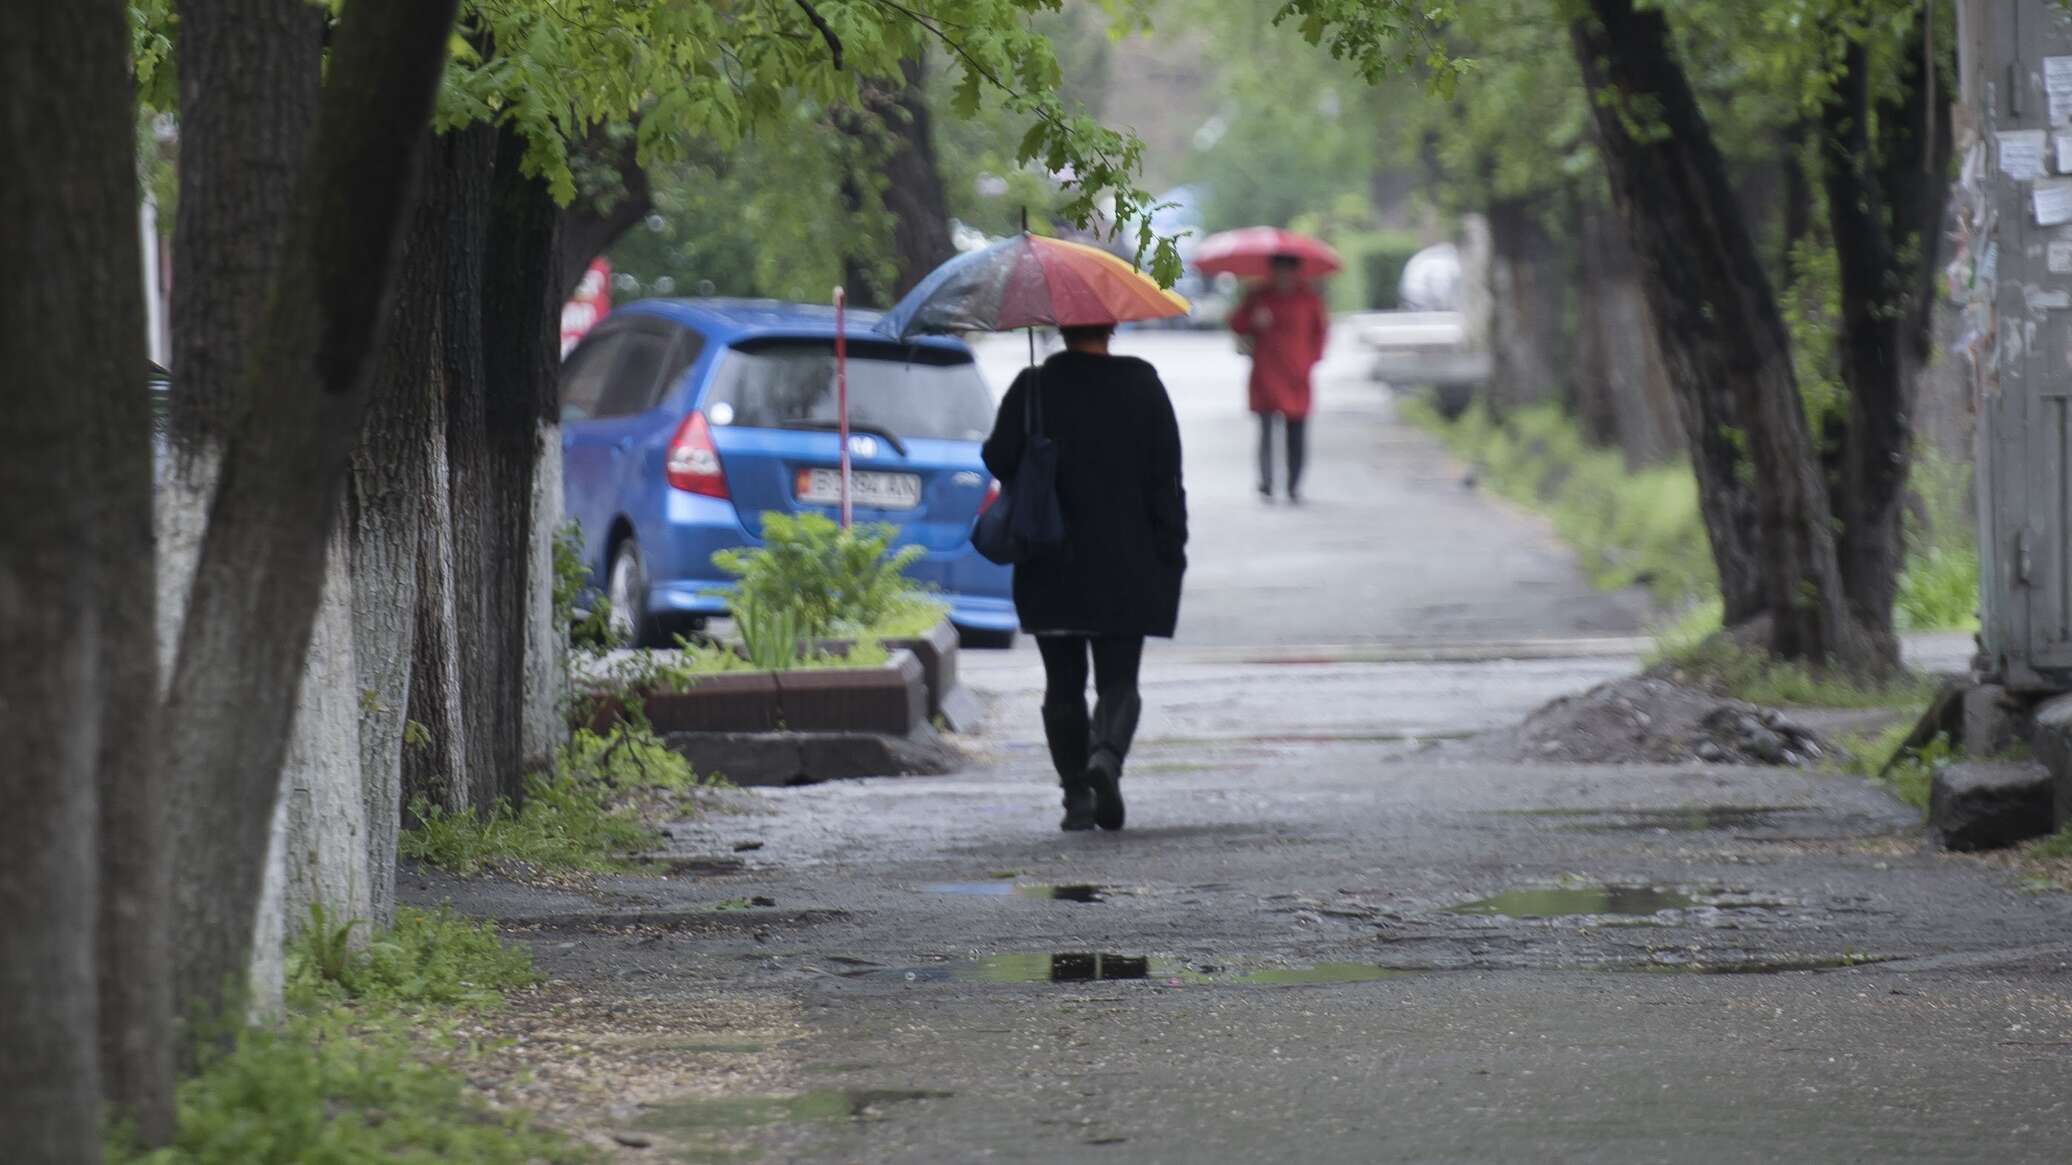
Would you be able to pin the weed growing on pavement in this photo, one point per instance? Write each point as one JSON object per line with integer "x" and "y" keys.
{"x": 351, "y": 1074}
{"x": 592, "y": 812}
{"x": 424, "y": 959}
{"x": 1642, "y": 527}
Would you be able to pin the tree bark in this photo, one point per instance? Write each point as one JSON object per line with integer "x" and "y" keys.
{"x": 1528, "y": 316}
{"x": 1723, "y": 342}
{"x": 892, "y": 131}
{"x": 469, "y": 739}
{"x": 1885, "y": 200}
{"x": 914, "y": 192}
{"x": 521, "y": 321}
{"x": 258, "y": 582}
{"x": 75, "y": 465}
{"x": 1632, "y": 406}
{"x": 391, "y": 478}
{"x": 600, "y": 216}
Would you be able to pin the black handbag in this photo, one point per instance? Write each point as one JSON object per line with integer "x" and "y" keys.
{"x": 1025, "y": 521}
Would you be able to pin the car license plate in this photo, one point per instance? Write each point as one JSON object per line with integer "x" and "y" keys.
{"x": 876, "y": 491}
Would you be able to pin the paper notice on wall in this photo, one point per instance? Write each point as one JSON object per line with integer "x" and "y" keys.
{"x": 2058, "y": 257}
{"x": 2052, "y": 201}
{"x": 2057, "y": 85}
{"x": 2021, "y": 154}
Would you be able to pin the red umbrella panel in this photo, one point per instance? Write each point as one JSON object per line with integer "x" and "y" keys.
{"x": 1249, "y": 253}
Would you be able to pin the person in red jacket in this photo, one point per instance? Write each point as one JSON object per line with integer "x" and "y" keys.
{"x": 1284, "y": 322}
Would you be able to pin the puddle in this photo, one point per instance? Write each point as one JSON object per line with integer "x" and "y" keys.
{"x": 744, "y": 1112}
{"x": 1568, "y": 903}
{"x": 1062, "y": 968}
{"x": 1095, "y": 967}
{"x": 1074, "y": 893}
{"x": 1321, "y": 973}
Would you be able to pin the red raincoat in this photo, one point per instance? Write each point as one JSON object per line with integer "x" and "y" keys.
{"x": 1287, "y": 332}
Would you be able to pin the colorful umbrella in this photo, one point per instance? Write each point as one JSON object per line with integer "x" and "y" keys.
{"x": 1028, "y": 281}
{"x": 1249, "y": 253}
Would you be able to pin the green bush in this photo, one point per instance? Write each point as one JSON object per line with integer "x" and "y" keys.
{"x": 830, "y": 579}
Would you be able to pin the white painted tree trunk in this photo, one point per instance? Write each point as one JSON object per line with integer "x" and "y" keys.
{"x": 325, "y": 844}
{"x": 546, "y": 646}
{"x": 317, "y": 847}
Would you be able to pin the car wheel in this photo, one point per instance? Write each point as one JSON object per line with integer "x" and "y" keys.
{"x": 625, "y": 589}
{"x": 979, "y": 640}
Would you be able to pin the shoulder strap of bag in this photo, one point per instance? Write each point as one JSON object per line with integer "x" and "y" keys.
{"x": 1032, "y": 406}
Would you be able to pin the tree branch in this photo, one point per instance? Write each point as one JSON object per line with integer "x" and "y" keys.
{"x": 834, "y": 43}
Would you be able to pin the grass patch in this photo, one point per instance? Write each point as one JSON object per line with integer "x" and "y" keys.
{"x": 1879, "y": 757}
{"x": 355, "y": 1072}
{"x": 425, "y": 959}
{"x": 594, "y": 811}
{"x": 1719, "y": 665}
{"x": 1641, "y": 527}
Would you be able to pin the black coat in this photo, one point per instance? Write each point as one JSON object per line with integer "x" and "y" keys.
{"x": 1119, "y": 486}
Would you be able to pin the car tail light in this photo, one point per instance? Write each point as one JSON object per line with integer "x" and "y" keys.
{"x": 992, "y": 495}
{"x": 693, "y": 464}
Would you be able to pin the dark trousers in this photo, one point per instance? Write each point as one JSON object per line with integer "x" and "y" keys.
{"x": 1115, "y": 662}
{"x": 1298, "y": 448}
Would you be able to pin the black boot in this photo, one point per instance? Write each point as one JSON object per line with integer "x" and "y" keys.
{"x": 1114, "y": 726}
{"x": 1065, "y": 729}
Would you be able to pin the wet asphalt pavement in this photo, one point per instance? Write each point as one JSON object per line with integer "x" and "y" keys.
{"x": 1335, "y": 931}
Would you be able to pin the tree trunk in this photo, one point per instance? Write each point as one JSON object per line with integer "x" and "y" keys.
{"x": 1723, "y": 341}
{"x": 250, "y": 76}
{"x": 600, "y": 216}
{"x": 392, "y": 478}
{"x": 914, "y": 189}
{"x": 75, "y": 567}
{"x": 258, "y": 582}
{"x": 521, "y": 322}
{"x": 893, "y": 141}
{"x": 1885, "y": 202}
{"x": 323, "y": 859}
{"x": 1636, "y": 411}
{"x": 469, "y": 740}
{"x": 1528, "y": 316}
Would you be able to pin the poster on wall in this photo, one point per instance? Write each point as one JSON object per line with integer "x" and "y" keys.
{"x": 593, "y": 298}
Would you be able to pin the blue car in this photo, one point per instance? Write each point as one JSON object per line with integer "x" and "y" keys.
{"x": 683, "y": 422}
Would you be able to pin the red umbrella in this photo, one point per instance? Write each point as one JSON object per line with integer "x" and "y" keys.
{"x": 1249, "y": 253}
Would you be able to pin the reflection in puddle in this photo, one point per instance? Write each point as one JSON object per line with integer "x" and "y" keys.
{"x": 1073, "y": 893}
{"x": 742, "y": 1112}
{"x": 1061, "y": 968}
{"x": 1565, "y": 903}
{"x": 1101, "y": 966}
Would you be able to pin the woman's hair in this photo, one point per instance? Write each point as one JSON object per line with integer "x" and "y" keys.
{"x": 1086, "y": 333}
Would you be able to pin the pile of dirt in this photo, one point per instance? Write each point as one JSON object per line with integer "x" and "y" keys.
{"x": 1648, "y": 720}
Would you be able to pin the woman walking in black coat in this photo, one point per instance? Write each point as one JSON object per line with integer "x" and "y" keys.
{"x": 1116, "y": 580}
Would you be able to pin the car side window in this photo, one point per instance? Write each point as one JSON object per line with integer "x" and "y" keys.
{"x": 584, "y": 375}
{"x": 632, "y": 386}
{"x": 688, "y": 346}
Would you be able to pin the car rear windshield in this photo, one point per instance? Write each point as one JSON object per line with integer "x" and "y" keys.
{"x": 909, "y": 391}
